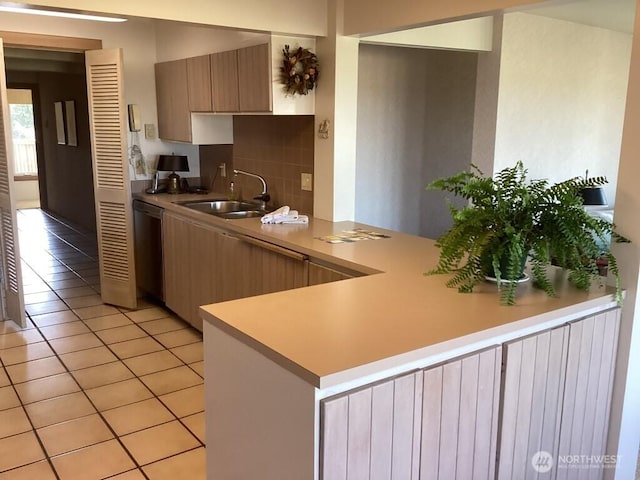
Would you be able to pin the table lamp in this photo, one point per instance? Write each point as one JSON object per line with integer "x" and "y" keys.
{"x": 593, "y": 196}
{"x": 173, "y": 163}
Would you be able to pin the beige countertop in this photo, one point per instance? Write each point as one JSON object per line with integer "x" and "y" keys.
{"x": 339, "y": 332}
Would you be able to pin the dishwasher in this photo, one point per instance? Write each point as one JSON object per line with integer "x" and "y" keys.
{"x": 147, "y": 222}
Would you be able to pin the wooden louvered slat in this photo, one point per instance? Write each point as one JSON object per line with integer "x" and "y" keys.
{"x": 11, "y": 273}
{"x": 13, "y": 299}
{"x": 111, "y": 177}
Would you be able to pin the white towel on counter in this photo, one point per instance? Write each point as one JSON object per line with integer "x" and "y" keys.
{"x": 284, "y": 215}
{"x": 279, "y": 213}
{"x": 292, "y": 220}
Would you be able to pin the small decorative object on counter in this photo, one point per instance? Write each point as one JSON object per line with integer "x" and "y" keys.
{"x": 509, "y": 220}
{"x": 299, "y": 71}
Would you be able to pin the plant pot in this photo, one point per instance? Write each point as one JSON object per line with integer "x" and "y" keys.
{"x": 490, "y": 274}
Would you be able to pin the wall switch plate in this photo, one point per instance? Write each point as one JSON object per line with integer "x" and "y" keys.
{"x": 306, "y": 181}
{"x": 149, "y": 131}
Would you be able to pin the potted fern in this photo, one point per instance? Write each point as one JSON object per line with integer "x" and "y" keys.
{"x": 510, "y": 219}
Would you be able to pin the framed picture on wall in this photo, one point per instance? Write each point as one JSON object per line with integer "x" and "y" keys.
{"x": 59, "y": 123}
{"x": 70, "y": 117}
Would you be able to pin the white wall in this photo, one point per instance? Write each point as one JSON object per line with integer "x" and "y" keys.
{"x": 138, "y": 40}
{"x": 175, "y": 41}
{"x": 561, "y": 98}
{"x": 26, "y": 192}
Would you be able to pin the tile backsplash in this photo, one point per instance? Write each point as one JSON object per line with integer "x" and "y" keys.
{"x": 279, "y": 148}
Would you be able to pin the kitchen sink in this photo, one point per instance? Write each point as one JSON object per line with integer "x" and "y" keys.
{"x": 230, "y": 209}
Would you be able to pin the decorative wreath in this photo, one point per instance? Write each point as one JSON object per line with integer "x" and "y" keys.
{"x": 299, "y": 71}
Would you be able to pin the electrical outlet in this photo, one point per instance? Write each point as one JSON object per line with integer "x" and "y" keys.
{"x": 223, "y": 170}
{"x": 149, "y": 131}
{"x": 306, "y": 181}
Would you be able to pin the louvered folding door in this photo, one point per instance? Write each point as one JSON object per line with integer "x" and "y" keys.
{"x": 12, "y": 296}
{"x": 111, "y": 176}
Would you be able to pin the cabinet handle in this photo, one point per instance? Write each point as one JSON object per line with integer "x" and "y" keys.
{"x": 271, "y": 247}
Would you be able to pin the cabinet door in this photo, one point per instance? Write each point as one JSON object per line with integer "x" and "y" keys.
{"x": 253, "y": 267}
{"x": 224, "y": 81}
{"x": 373, "y": 433}
{"x": 204, "y": 263}
{"x": 174, "y": 117}
{"x": 319, "y": 274}
{"x": 177, "y": 271}
{"x": 254, "y": 78}
{"x": 556, "y": 399}
{"x": 460, "y": 418}
{"x": 532, "y": 399}
{"x": 199, "y": 84}
{"x": 588, "y": 386}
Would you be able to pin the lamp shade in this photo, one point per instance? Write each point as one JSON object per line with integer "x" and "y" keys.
{"x": 593, "y": 196}
{"x": 173, "y": 163}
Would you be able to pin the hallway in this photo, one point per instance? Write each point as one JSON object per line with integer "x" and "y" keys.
{"x": 87, "y": 390}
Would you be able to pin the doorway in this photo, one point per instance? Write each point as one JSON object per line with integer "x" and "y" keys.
{"x": 25, "y": 156}
{"x": 62, "y": 182}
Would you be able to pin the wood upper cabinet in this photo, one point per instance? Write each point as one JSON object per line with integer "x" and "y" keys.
{"x": 224, "y": 81}
{"x": 254, "y": 78}
{"x": 199, "y": 84}
{"x": 174, "y": 116}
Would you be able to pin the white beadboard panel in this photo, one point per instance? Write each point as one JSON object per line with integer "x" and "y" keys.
{"x": 373, "y": 433}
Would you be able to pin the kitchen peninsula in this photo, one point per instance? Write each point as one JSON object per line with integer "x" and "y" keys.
{"x": 394, "y": 372}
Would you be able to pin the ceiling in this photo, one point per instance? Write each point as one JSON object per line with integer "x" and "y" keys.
{"x": 610, "y": 14}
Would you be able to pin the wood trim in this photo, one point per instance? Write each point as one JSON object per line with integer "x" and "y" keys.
{"x": 49, "y": 42}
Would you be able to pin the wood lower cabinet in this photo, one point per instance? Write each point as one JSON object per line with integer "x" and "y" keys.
{"x": 191, "y": 266}
{"x": 176, "y": 265}
{"x": 460, "y": 417}
{"x": 174, "y": 116}
{"x": 438, "y": 423}
{"x": 319, "y": 274}
{"x": 467, "y": 418}
{"x": 373, "y": 433}
{"x": 203, "y": 265}
{"x": 253, "y": 267}
{"x": 557, "y": 396}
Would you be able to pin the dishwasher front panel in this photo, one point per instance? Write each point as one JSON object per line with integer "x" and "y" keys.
{"x": 148, "y": 248}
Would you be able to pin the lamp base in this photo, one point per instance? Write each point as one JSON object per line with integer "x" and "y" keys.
{"x": 173, "y": 183}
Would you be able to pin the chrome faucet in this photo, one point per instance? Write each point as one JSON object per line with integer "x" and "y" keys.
{"x": 264, "y": 196}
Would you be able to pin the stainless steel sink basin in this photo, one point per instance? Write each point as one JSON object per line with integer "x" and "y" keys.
{"x": 226, "y": 208}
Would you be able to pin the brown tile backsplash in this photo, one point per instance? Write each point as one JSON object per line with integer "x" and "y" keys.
{"x": 279, "y": 148}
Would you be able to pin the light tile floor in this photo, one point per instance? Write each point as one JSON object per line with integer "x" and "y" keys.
{"x": 87, "y": 390}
